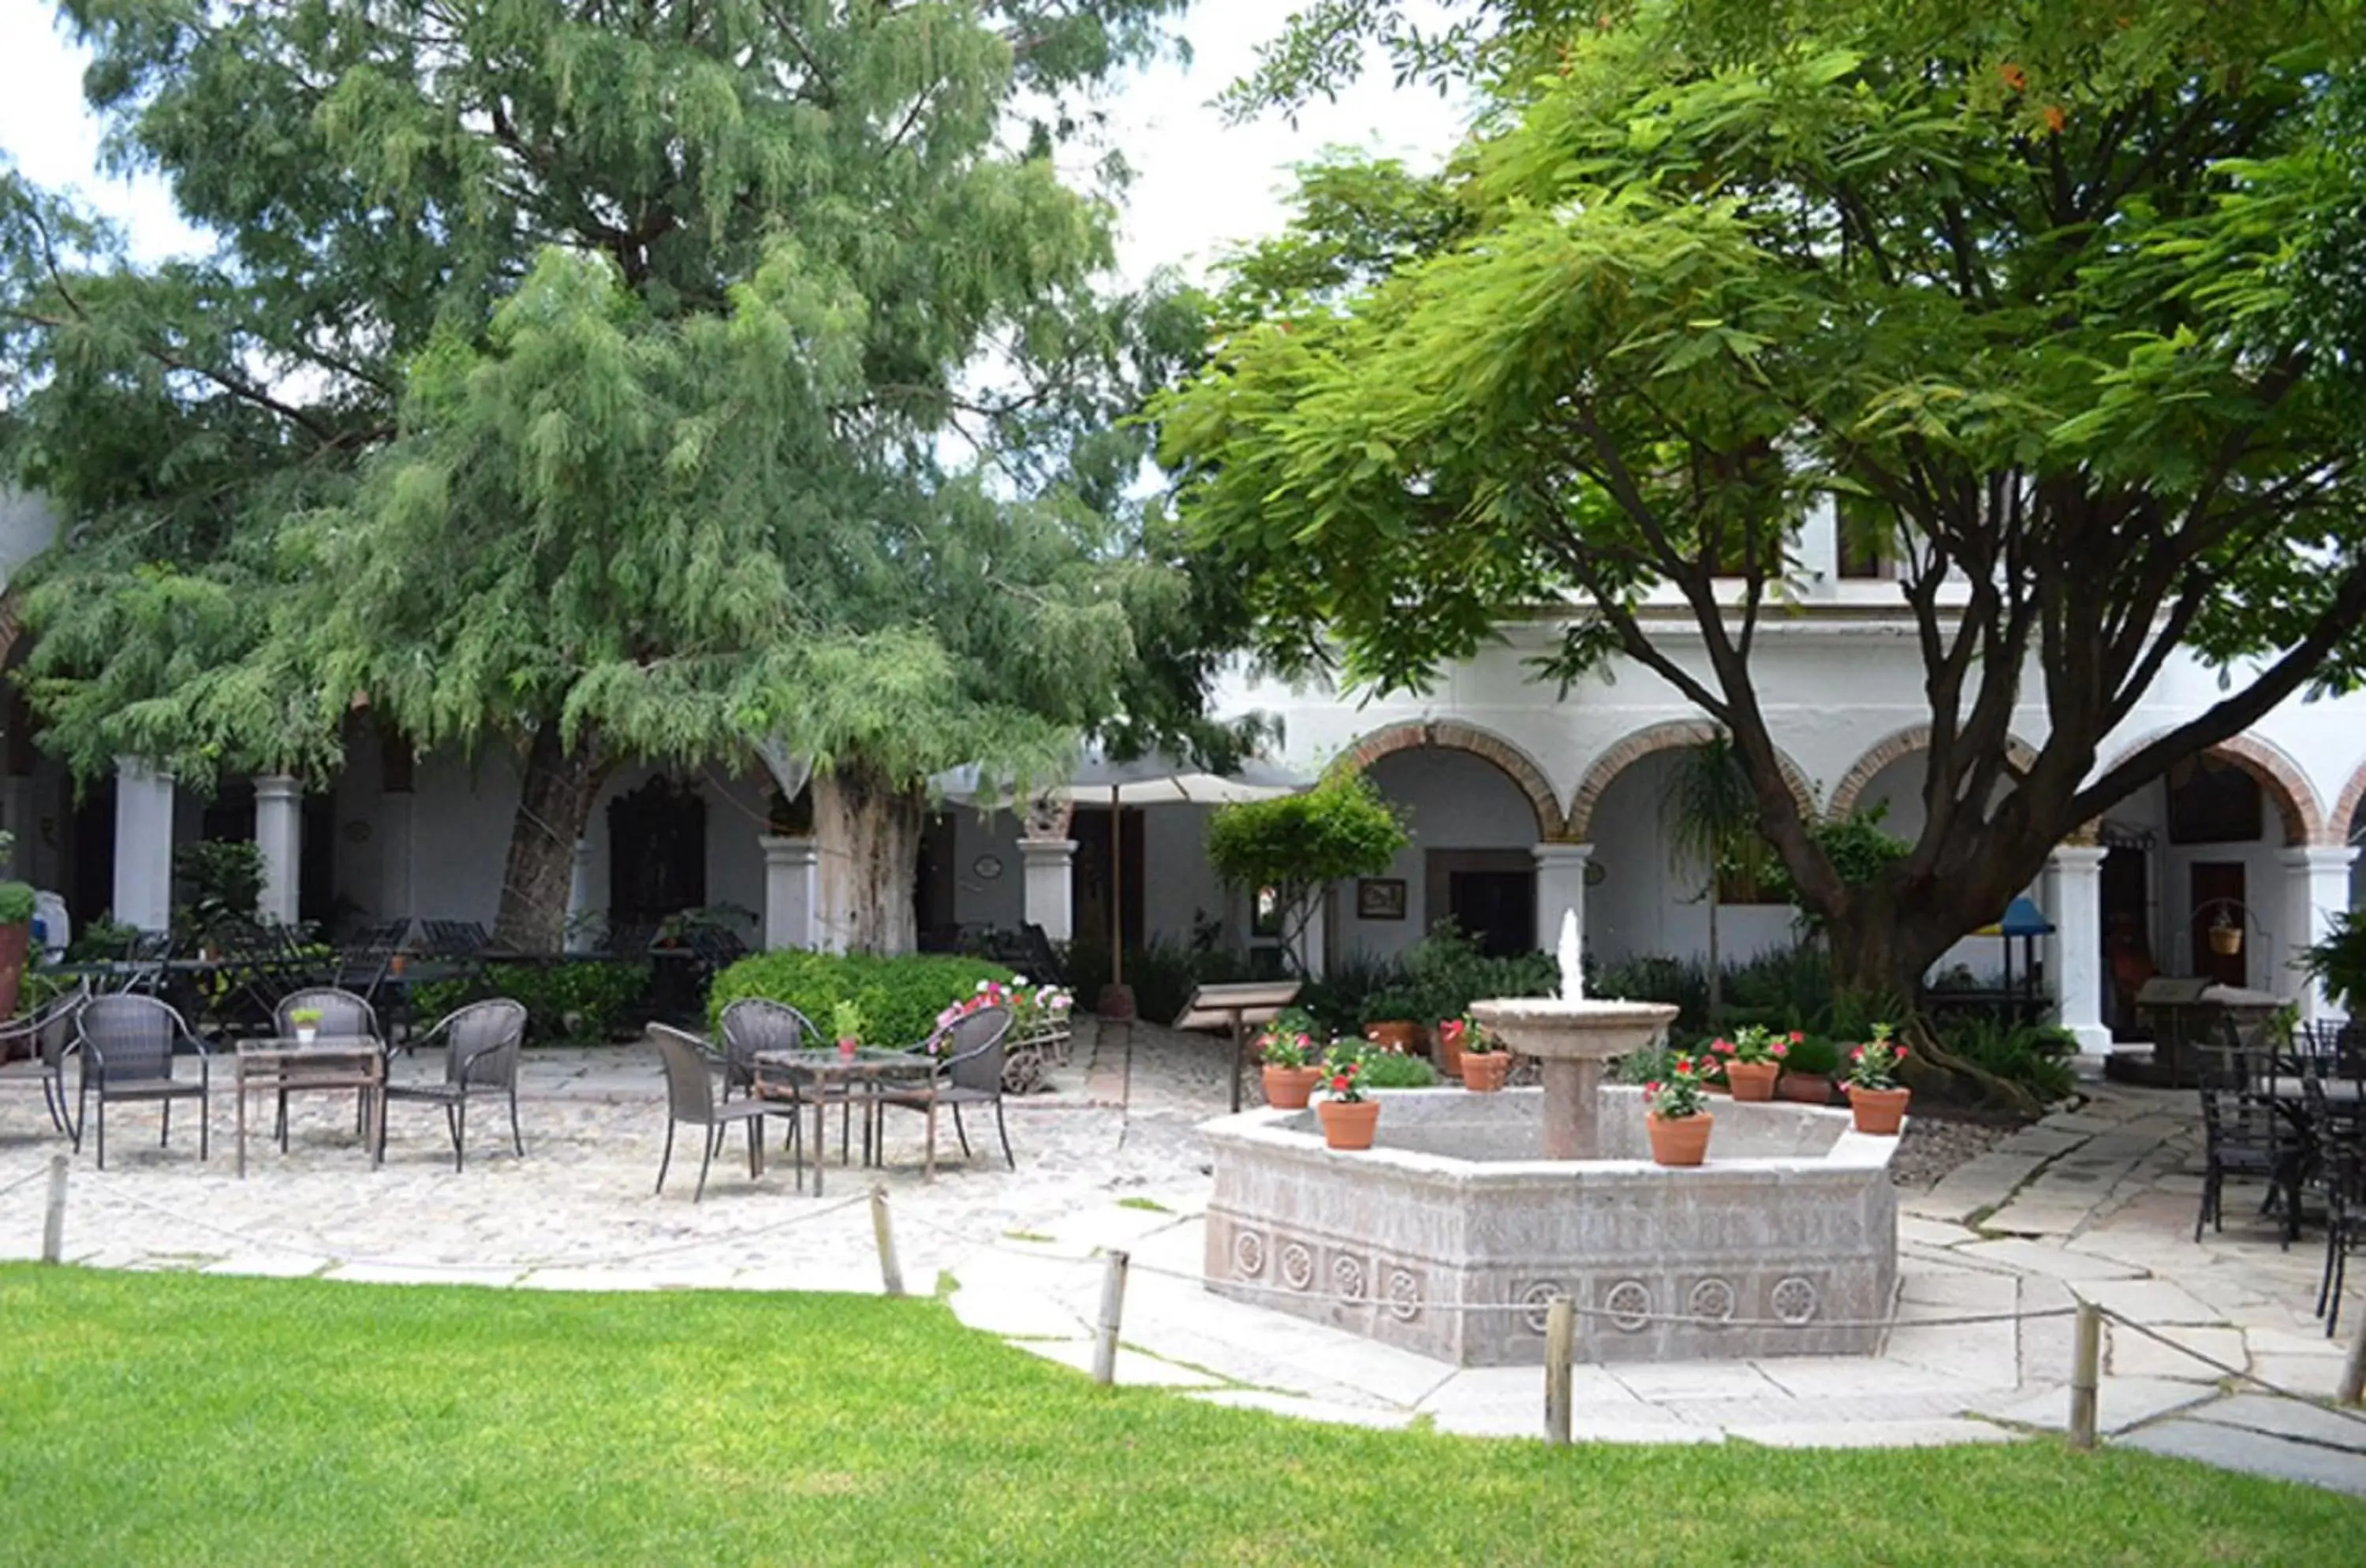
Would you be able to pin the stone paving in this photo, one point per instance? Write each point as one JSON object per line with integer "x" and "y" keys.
{"x": 2097, "y": 1201}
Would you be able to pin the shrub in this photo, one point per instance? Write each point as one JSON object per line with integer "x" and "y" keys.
{"x": 2339, "y": 963}
{"x": 1397, "y": 1069}
{"x": 586, "y": 1002}
{"x": 1298, "y": 844}
{"x": 2035, "y": 1056}
{"x": 1447, "y": 971}
{"x": 899, "y": 997}
{"x": 15, "y": 903}
{"x": 1161, "y": 971}
{"x": 1395, "y": 1004}
{"x": 1338, "y": 1000}
{"x": 101, "y": 941}
{"x": 1815, "y": 1054}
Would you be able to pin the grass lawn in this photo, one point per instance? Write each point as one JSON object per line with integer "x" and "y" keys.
{"x": 157, "y": 1418}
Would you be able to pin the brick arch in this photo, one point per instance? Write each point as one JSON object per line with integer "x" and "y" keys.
{"x": 1666, "y": 736}
{"x": 1904, "y": 744}
{"x": 1453, "y": 735}
{"x": 2345, "y": 824}
{"x": 2278, "y": 775}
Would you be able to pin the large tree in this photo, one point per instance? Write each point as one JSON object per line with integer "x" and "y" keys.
{"x": 665, "y": 381}
{"x": 2029, "y": 291}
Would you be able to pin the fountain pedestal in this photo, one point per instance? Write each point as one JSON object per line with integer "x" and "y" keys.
{"x": 1570, "y": 1039}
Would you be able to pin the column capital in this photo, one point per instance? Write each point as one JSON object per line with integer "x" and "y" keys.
{"x": 2076, "y": 858}
{"x": 277, "y": 787}
{"x": 1048, "y": 851}
{"x": 1556, "y": 852}
{"x": 142, "y": 768}
{"x": 2319, "y": 857}
{"x": 785, "y": 849}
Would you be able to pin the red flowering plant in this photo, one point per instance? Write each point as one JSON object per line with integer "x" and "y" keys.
{"x": 1030, "y": 1008}
{"x": 1754, "y": 1043}
{"x": 1873, "y": 1065}
{"x": 1343, "y": 1072}
{"x": 1289, "y": 1039}
{"x": 1681, "y": 1093}
{"x": 1465, "y": 1036}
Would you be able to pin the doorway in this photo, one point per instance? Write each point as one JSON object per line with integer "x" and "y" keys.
{"x": 657, "y": 854}
{"x": 1490, "y": 894}
{"x": 2218, "y": 900}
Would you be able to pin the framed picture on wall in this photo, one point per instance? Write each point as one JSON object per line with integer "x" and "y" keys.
{"x": 1380, "y": 898}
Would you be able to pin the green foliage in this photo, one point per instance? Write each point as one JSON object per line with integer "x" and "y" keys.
{"x": 899, "y": 998}
{"x": 1815, "y": 1054}
{"x": 1713, "y": 266}
{"x": 1861, "y": 851}
{"x": 1161, "y": 971}
{"x": 101, "y": 940}
{"x": 587, "y": 1002}
{"x": 1337, "y": 1001}
{"x": 221, "y": 882}
{"x": 1298, "y": 844}
{"x": 15, "y": 903}
{"x": 846, "y": 1021}
{"x": 1394, "y": 1004}
{"x": 1398, "y": 1069}
{"x": 2339, "y": 963}
{"x": 2035, "y": 1057}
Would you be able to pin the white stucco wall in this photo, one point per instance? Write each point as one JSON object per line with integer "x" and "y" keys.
{"x": 1452, "y": 800}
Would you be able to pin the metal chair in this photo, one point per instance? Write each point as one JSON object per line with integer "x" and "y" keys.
{"x": 343, "y": 1016}
{"x": 972, "y": 1074}
{"x": 481, "y": 1043}
{"x": 2244, "y": 1135}
{"x": 50, "y": 1030}
{"x": 126, "y": 1044}
{"x": 690, "y": 1071}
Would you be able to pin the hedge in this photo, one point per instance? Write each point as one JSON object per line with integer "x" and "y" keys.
{"x": 588, "y": 1001}
{"x": 900, "y": 997}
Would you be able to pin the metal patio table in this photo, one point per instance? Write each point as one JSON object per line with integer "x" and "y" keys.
{"x": 862, "y": 1072}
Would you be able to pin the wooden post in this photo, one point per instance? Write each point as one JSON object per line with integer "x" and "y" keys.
{"x": 2086, "y": 1360}
{"x": 1561, "y": 1352}
{"x": 1112, "y": 1307}
{"x": 2352, "y": 1390}
{"x": 891, "y": 1273}
{"x": 53, "y": 1217}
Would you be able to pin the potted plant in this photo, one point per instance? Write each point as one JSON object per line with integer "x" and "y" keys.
{"x": 1808, "y": 1072}
{"x": 1677, "y": 1111}
{"x": 1391, "y": 1017}
{"x": 1349, "y": 1116}
{"x": 1484, "y": 1061}
{"x": 16, "y": 900}
{"x": 1753, "y": 1060}
{"x": 846, "y": 1023}
{"x": 1877, "y": 1099}
{"x": 1284, "y": 1048}
{"x": 307, "y": 1022}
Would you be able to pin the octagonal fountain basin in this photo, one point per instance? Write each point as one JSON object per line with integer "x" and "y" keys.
{"x": 1792, "y": 1220}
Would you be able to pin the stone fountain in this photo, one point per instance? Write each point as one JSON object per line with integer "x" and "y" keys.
{"x": 1571, "y": 1036}
{"x": 1473, "y": 1212}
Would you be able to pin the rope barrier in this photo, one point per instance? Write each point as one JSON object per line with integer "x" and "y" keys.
{"x": 25, "y": 1180}
{"x": 2217, "y": 1365}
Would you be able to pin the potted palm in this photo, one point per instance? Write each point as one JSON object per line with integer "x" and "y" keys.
{"x": 1482, "y": 1058}
{"x": 1284, "y": 1048}
{"x": 1676, "y": 1113}
{"x": 1876, "y": 1099}
{"x": 1349, "y": 1117}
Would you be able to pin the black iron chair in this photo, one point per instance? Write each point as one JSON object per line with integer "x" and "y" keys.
{"x": 2244, "y": 1135}
{"x": 691, "y": 1068}
{"x": 49, "y": 1030}
{"x": 126, "y": 1043}
{"x": 481, "y": 1043}
{"x": 972, "y": 1074}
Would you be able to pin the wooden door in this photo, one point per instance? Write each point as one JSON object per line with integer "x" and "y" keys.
{"x": 2218, "y": 897}
{"x": 657, "y": 853}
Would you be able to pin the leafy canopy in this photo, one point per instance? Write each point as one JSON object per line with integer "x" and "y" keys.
{"x": 1297, "y": 845}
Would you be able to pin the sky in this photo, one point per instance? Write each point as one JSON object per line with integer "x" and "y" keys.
{"x": 1200, "y": 186}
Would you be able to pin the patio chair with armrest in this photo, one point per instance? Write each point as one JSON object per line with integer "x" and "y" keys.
{"x": 126, "y": 1043}
{"x": 481, "y": 1043}
{"x": 972, "y": 1074}
{"x": 2244, "y": 1135}
{"x": 49, "y": 1030}
{"x": 758, "y": 1024}
{"x": 691, "y": 1068}
{"x": 343, "y": 1016}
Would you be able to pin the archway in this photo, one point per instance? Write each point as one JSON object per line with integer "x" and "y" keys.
{"x": 1853, "y": 790}
{"x": 1453, "y": 735}
{"x": 1606, "y": 769}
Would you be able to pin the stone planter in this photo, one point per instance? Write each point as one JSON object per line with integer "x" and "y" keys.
{"x": 1483, "y": 1073}
{"x": 1805, "y": 1088}
{"x": 1752, "y": 1080}
{"x": 1683, "y": 1140}
{"x": 1349, "y": 1123}
{"x": 1289, "y": 1088}
{"x": 1878, "y": 1110}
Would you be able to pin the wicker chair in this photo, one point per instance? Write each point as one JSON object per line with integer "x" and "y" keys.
{"x": 343, "y": 1016}
{"x": 753, "y": 1024}
{"x": 481, "y": 1043}
{"x": 126, "y": 1044}
{"x": 690, "y": 1065}
{"x": 971, "y": 1075}
{"x": 49, "y": 1031}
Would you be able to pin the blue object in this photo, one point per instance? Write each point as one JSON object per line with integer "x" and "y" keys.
{"x": 2022, "y": 919}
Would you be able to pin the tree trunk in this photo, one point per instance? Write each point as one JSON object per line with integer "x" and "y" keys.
{"x": 1880, "y": 951}
{"x": 869, "y": 833}
{"x": 554, "y": 810}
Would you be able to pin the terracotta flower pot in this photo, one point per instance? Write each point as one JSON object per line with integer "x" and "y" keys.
{"x": 1289, "y": 1088}
{"x": 1349, "y": 1123}
{"x": 1399, "y": 1035}
{"x": 1878, "y": 1110}
{"x": 1484, "y": 1074}
{"x": 15, "y": 946}
{"x": 1752, "y": 1080}
{"x": 1444, "y": 1053}
{"x": 1807, "y": 1089}
{"x": 1681, "y": 1140}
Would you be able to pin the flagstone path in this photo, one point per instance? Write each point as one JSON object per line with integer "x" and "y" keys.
{"x": 2097, "y": 1203}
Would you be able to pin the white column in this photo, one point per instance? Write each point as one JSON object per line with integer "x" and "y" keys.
{"x": 2076, "y": 956}
{"x": 2318, "y": 879}
{"x": 792, "y": 890}
{"x": 1050, "y": 886}
{"x": 144, "y": 845}
{"x": 279, "y": 839}
{"x": 1561, "y": 889}
{"x": 579, "y": 899}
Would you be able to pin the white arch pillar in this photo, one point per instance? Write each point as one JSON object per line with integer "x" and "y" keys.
{"x": 2076, "y": 903}
{"x": 1561, "y": 889}
{"x": 144, "y": 845}
{"x": 279, "y": 839}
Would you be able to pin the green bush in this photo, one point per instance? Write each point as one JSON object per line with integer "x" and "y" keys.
{"x": 15, "y": 903}
{"x": 586, "y": 1002}
{"x": 2035, "y": 1056}
{"x": 1448, "y": 971}
{"x": 101, "y": 941}
{"x": 2339, "y": 963}
{"x": 899, "y": 997}
{"x": 1815, "y": 1054}
{"x": 1162, "y": 973}
{"x": 1395, "y": 1004}
{"x": 1395, "y": 1070}
{"x": 1338, "y": 1000}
